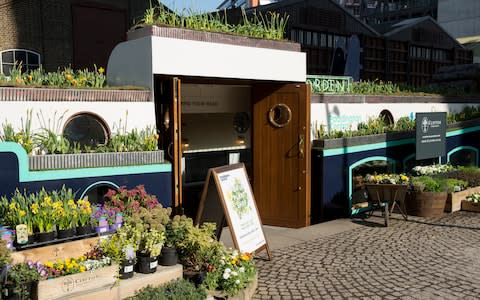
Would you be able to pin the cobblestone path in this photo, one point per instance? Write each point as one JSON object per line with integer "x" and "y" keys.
{"x": 414, "y": 259}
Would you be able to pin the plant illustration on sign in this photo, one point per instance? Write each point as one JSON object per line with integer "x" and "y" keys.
{"x": 239, "y": 198}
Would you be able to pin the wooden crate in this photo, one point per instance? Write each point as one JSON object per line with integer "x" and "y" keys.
{"x": 58, "y": 251}
{"x": 71, "y": 286}
{"x": 470, "y": 206}
{"x": 454, "y": 200}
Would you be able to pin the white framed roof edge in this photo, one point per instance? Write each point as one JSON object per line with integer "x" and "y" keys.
{"x": 134, "y": 62}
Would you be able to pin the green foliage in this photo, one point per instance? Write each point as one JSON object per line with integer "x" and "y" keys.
{"x": 175, "y": 290}
{"x": 176, "y": 230}
{"x": 24, "y": 136}
{"x": 269, "y": 26}
{"x": 65, "y": 78}
{"x": 122, "y": 245}
{"x": 379, "y": 87}
{"x": 20, "y": 275}
{"x": 5, "y": 254}
{"x": 426, "y": 184}
{"x": 198, "y": 247}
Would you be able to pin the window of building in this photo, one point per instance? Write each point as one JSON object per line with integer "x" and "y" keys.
{"x": 86, "y": 129}
{"x": 29, "y": 60}
{"x": 464, "y": 157}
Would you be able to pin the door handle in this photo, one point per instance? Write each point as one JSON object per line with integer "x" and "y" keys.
{"x": 301, "y": 144}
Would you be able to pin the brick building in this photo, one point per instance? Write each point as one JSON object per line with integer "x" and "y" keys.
{"x": 57, "y": 33}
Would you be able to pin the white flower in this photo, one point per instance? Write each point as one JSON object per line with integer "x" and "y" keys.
{"x": 226, "y": 275}
{"x": 227, "y": 270}
{"x": 234, "y": 273}
{"x": 237, "y": 281}
{"x": 242, "y": 269}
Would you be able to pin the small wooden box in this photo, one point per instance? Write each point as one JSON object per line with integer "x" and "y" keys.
{"x": 470, "y": 206}
{"x": 71, "y": 286}
{"x": 454, "y": 200}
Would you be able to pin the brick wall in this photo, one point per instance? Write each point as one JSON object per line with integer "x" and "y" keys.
{"x": 45, "y": 26}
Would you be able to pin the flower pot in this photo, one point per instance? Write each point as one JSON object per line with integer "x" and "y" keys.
{"x": 168, "y": 257}
{"x": 30, "y": 292}
{"x": 126, "y": 269}
{"x": 83, "y": 230}
{"x": 146, "y": 264}
{"x": 65, "y": 233}
{"x": 102, "y": 229}
{"x": 426, "y": 204}
{"x": 115, "y": 226}
{"x": 196, "y": 277}
{"x": 44, "y": 236}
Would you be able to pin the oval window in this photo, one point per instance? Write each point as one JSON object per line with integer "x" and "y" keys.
{"x": 86, "y": 129}
{"x": 279, "y": 115}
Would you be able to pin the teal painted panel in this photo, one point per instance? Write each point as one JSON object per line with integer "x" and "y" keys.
{"x": 28, "y": 176}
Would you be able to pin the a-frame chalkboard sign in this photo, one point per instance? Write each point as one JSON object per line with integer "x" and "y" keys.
{"x": 227, "y": 196}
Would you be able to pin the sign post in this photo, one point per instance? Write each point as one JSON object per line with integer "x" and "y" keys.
{"x": 227, "y": 194}
{"x": 430, "y": 135}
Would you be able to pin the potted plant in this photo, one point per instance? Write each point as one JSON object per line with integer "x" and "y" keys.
{"x": 22, "y": 280}
{"x": 44, "y": 214}
{"x": 121, "y": 248}
{"x": 229, "y": 273}
{"x": 18, "y": 216}
{"x": 130, "y": 201}
{"x": 151, "y": 225}
{"x": 66, "y": 213}
{"x": 175, "y": 231}
{"x": 429, "y": 195}
{"x": 197, "y": 249}
{"x": 5, "y": 259}
{"x": 84, "y": 221}
{"x": 100, "y": 218}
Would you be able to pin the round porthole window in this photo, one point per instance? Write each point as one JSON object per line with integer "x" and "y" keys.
{"x": 86, "y": 129}
{"x": 279, "y": 115}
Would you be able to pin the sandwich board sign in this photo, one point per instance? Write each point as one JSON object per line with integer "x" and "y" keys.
{"x": 430, "y": 134}
{"x": 227, "y": 195}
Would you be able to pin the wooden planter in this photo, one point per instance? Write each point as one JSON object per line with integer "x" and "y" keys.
{"x": 245, "y": 294}
{"x": 454, "y": 200}
{"x": 426, "y": 204}
{"x": 470, "y": 206}
{"x": 70, "y": 286}
{"x": 386, "y": 192}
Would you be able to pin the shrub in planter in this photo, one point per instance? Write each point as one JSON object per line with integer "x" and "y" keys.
{"x": 178, "y": 289}
{"x": 175, "y": 231}
{"x": 5, "y": 259}
{"x": 22, "y": 280}
{"x": 429, "y": 195}
{"x": 230, "y": 272}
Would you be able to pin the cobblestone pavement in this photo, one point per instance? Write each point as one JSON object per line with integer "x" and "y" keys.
{"x": 414, "y": 259}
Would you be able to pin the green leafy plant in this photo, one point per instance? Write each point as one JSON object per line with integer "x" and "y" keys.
{"x": 174, "y": 290}
{"x": 269, "y": 26}
{"x": 21, "y": 276}
{"x": 122, "y": 245}
{"x": 230, "y": 272}
{"x": 5, "y": 254}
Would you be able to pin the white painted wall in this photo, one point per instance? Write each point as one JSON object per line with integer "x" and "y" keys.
{"x": 140, "y": 114}
{"x": 135, "y": 61}
{"x": 344, "y": 115}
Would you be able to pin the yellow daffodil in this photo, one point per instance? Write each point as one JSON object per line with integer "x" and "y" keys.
{"x": 101, "y": 70}
{"x": 22, "y": 213}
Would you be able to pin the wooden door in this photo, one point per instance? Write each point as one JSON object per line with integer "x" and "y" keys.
{"x": 168, "y": 113}
{"x": 281, "y": 153}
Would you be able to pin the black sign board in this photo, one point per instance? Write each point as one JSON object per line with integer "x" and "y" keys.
{"x": 431, "y": 134}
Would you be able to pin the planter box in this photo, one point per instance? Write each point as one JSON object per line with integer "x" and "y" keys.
{"x": 426, "y": 204}
{"x": 245, "y": 294}
{"x": 470, "y": 206}
{"x": 94, "y": 160}
{"x": 454, "y": 200}
{"x": 70, "y": 286}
